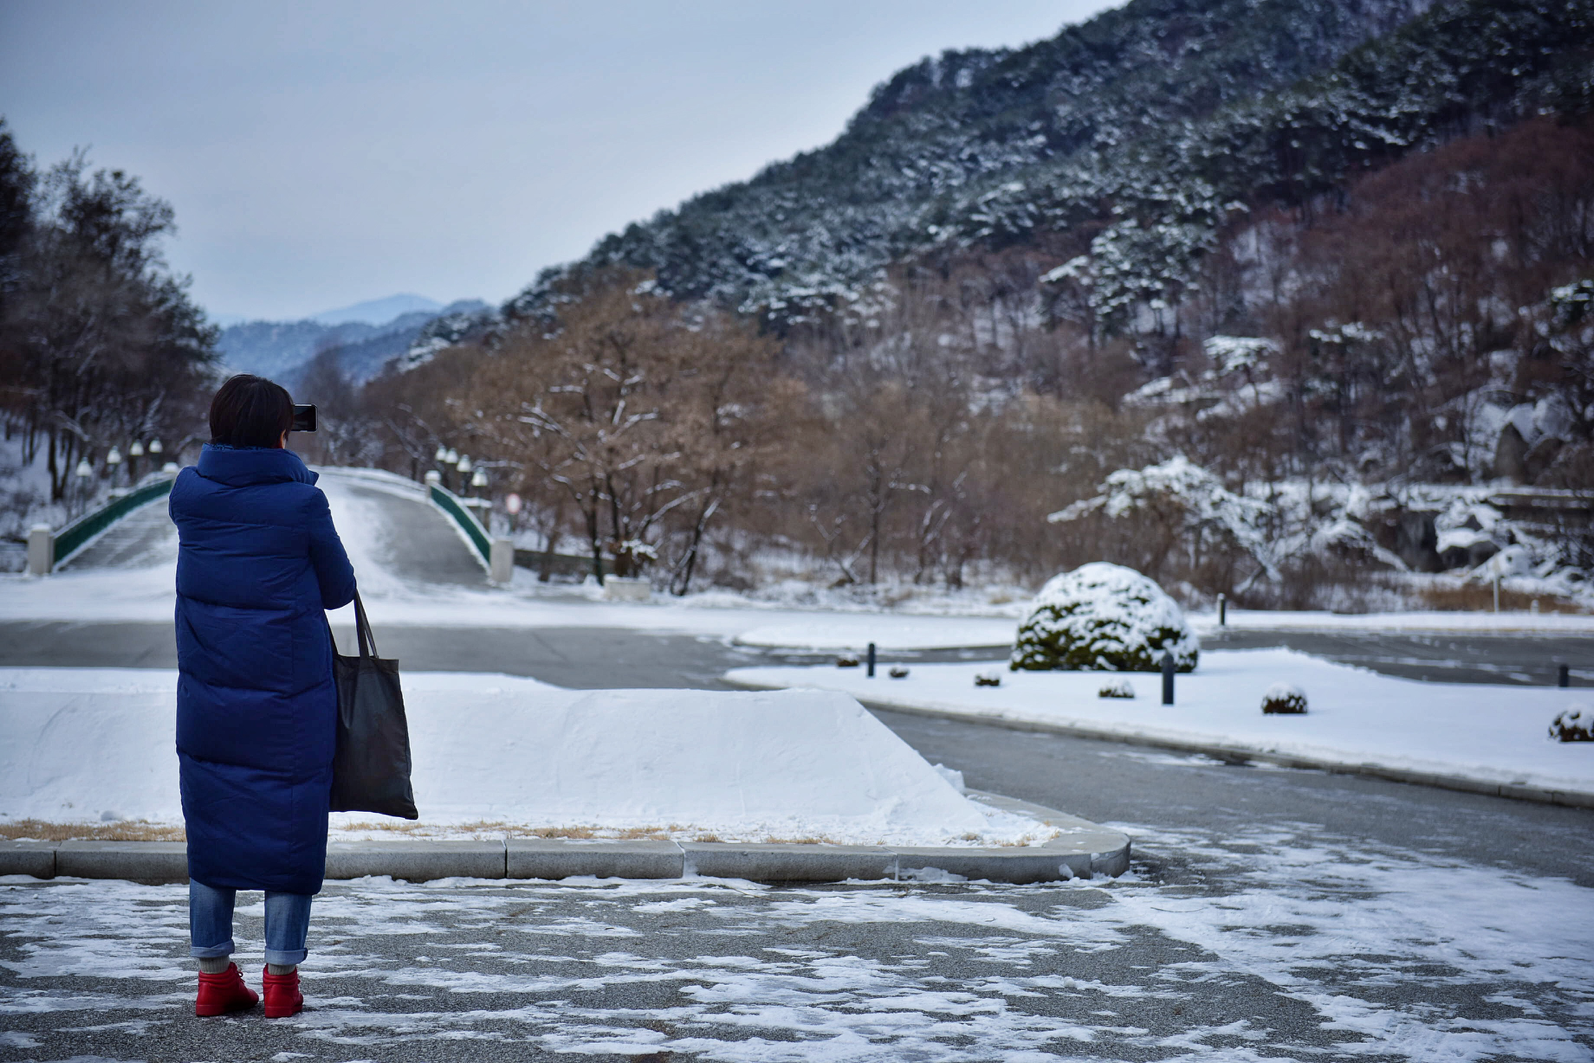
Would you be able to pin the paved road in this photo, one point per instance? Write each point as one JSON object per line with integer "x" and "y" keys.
{"x": 1530, "y": 660}
{"x": 619, "y": 657}
{"x": 416, "y": 540}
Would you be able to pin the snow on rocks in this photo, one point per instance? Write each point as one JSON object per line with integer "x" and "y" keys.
{"x": 494, "y": 752}
{"x": 1576, "y": 724}
{"x": 1117, "y": 688}
{"x": 1284, "y": 698}
{"x": 1106, "y": 618}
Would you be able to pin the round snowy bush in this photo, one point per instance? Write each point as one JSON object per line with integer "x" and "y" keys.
{"x": 1104, "y": 617}
{"x": 1576, "y": 724}
{"x": 1117, "y": 688}
{"x": 1283, "y": 698}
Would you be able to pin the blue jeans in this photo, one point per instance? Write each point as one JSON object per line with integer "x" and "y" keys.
{"x": 210, "y": 924}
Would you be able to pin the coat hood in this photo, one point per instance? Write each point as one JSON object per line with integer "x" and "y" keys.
{"x": 247, "y": 466}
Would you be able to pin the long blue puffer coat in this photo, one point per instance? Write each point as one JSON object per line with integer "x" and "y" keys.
{"x": 257, "y": 564}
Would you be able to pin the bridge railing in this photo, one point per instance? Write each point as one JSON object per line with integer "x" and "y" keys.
{"x": 49, "y": 549}
{"x": 469, "y": 523}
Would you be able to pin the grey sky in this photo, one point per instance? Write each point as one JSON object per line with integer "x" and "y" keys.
{"x": 321, "y": 154}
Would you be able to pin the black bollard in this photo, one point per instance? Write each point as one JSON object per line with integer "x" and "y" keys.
{"x": 871, "y": 660}
{"x": 1563, "y": 676}
{"x": 1223, "y": 610}
{"x": 1167, "y": 679}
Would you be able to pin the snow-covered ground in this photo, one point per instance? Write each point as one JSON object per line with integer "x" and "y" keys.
{"x": 1267, "y": 942}
{"x": 1496, "y": 734}
{"x": 495, "y": 753}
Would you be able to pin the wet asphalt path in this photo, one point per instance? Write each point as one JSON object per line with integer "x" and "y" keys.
{"x": 585, "y": 657}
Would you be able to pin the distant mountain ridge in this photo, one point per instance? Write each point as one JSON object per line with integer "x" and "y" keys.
{"x": 282, "y": 349}
{"x": 379, "y": 311}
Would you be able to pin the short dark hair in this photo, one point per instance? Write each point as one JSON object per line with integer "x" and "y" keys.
{"x": 250, "y": 411}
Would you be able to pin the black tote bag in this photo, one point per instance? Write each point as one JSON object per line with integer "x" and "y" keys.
{"x": 371, "y": 768}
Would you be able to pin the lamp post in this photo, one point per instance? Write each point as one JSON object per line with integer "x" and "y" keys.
{"x": 112, "y": 461}
{"x": 83, "y": 471}
{"x": 464, "y": 468}
{"x": 134, "y": 452}
{"x": 478, "y": 480}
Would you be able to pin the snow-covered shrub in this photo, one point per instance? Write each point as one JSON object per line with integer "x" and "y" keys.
{"x": 1106, "y": 618}
{"x": 1117, "y": 688}
{"x": 898, "y": 672}
{"x": 1576, "y": 724}
{"x": 1283, "y": 698}
{"x": 846, "y": 661}
{"x": 988, "y": 679}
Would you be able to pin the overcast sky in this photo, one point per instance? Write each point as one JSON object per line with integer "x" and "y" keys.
{"x": 319, "y": 154}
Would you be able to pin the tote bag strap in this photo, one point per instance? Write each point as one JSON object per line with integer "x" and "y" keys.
{"x": 362, "y": 629}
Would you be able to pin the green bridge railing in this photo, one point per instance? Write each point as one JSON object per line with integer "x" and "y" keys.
{"x": 449, "y": 503}
{"x": 71, "y": 538}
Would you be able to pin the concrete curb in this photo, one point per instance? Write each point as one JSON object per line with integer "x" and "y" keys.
{"x": 1082, "y": 850}
{"x": 1236, "y": 754}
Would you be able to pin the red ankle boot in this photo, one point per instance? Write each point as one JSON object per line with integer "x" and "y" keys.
{"x": 282, "y": 994}
{"x": 224, "y": 992}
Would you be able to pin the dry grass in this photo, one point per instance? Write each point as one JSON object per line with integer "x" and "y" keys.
{"x": 1479, "y": 598}
{"x": 499, "y": 829}
{"x": 144, "y": 831}
{"x": 136, "y": 830}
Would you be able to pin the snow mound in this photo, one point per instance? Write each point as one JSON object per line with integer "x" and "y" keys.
{"x": 1106, "y": 618}
{"x": 495, "y": 752}
{"x": 1283, "y": 698}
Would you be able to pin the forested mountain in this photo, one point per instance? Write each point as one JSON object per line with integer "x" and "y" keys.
{"x": 1271, "y": 298}
{"x": 1151, "y": 119}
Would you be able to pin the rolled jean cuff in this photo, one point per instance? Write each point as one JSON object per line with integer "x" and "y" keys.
{"x": 286, "y": 957}
{"x": 211, "y": 952}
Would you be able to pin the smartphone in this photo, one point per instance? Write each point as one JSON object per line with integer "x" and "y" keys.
{"x": 303, "y": 417}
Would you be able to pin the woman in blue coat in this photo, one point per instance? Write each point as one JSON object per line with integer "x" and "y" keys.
{"x": 258, "y": 564}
